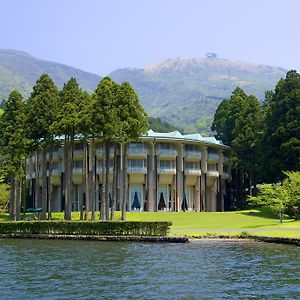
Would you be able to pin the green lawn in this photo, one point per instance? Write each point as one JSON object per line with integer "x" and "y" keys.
{"x": 254, "y": 222}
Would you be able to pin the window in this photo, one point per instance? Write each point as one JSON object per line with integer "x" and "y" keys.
{"x": 136, "y": 163}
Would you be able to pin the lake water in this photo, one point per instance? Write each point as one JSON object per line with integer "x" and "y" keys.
{"x": 47, "y": 269}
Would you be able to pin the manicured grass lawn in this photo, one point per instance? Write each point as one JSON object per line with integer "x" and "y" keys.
{"x": 254, "y": 222}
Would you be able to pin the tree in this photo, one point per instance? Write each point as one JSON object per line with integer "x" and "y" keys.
{"x": 41, "y": 113}
{"x": 278, "y": 197}
{"x": 133, "y": 121}
{"x": 238, "y": 123}
{"x": 107, "y": 127}
{"x": 12, "y": 132}
{"x": 72, "y": 102}
{"x": 281, "y": 139}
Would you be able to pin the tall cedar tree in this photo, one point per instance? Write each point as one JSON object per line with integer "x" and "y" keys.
{"x": 133, "y": 120}
{"x": 238, "y": 123}
{"x": 12, "y": 132}
{"x": 72, "y": 102}
{"x": 106, "y": 126}
{"x": 281, "y": 140}
{"x": 41, "y": 113}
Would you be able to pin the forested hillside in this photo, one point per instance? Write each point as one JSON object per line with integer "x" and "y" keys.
{"x": 20, "y": 70}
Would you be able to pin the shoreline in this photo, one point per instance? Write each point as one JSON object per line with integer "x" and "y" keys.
{"x": 155, "y": 239}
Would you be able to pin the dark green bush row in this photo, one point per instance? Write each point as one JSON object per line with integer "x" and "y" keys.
{"x": 86, "y": 228}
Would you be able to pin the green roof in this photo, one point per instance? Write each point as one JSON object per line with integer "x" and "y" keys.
{"x": 177, "y": 135}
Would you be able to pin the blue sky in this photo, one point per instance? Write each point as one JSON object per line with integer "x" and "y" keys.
{"x": 100, "y": 36}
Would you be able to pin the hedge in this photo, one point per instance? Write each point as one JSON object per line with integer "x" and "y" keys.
{"x": 86, "y": 228}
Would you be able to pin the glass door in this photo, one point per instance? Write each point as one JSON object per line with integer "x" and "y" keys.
{"x": 136, "y": 196}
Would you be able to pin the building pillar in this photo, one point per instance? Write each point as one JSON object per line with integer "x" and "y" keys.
{"x": 179, "y": 178}
{"x": 197, "y": 195}
{"x": 203, "y": 178}
{"x": 152, "y": 178}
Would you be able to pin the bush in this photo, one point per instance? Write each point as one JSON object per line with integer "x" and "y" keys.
{"x": 86, "y": 228}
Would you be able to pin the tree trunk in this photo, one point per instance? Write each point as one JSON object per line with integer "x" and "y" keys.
{"x": 107, "y": 148}
{"x": 44, "y": 184}
{"x": 93, "y": 179}
{"x": 104, "y": 185}
{"x": 86, "y": 180}
{"x": 12, "y": 214}
{"x": 114, "y": 185}
{"x": 67, "y": 179}
{"x": 36, "y": 185}
{"x": 50, "y": 187}
{"x": 125, "y": 181}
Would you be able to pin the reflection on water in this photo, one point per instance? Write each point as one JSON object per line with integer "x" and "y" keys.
{"x": 37, "y": 269}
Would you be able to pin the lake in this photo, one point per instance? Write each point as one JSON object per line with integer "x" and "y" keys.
{"x": 49, "y": 269}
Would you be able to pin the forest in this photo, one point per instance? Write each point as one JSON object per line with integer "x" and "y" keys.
{"x": 264, "y": 138}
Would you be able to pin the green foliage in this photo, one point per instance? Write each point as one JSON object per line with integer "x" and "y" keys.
{"x": 42, "y": 109}
{"x": 278, "y": 197}
{"x": 12, "y": 133}
{"x": 86, "y": 228}
{"x": 281, "y": 139}
{"x": 19, "y": 70}
{"x": 159, "y": 125}
{"x": 4, "y": 197}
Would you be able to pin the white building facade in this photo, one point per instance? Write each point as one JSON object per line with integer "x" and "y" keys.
{"x": 165, "y": 172}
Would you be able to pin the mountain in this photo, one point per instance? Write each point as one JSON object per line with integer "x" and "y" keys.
{"x": 186, "y": 92}
{"x": 20, "y": 70}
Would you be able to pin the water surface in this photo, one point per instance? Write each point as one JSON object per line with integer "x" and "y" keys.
{"x": 47, "y": 269}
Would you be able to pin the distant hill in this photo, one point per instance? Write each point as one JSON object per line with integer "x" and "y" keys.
{"x": 20, "y": 70}
{"x": 186, "y": 92}
{"x": 183, "y": 92}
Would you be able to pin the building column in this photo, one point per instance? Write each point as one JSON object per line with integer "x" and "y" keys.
{"x": 152, "y": 178}
{"x": 197, "y": 195}
{"x": 203, "y": 178}
{"x": 179, "y": 178}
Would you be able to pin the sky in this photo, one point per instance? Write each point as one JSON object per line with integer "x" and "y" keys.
{"x": 100, "y": 36}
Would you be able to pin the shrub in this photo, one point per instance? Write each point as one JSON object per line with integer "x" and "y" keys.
{"x": 86, "y": 228}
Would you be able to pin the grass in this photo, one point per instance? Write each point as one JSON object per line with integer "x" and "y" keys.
{"x": 253, "y": 222}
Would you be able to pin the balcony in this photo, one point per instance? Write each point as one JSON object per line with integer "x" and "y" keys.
{"x": 136, "y": 170}
{"x": 56, "y": 172}
{"x": 195, "y": 172}
{"x": 137, "y": 152}
{"x": 77, "y": 170}
{"x": 78, "y": 153}
{"x": 213, "y": 157}
{"x": 166, "y": 170}
{"x": 99, "y": 152}
{"x": 212, "y": 173}
{"x": 192, "y": 154}
{"x": 166, "y": 152}
{"x": 99, "y": 169}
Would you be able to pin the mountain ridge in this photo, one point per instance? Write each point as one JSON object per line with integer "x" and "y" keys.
{"x": 182, "y": 91}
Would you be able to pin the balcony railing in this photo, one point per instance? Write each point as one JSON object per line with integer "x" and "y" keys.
{"x": 192, "y": 172}
{"x": 142, "y": 170}
{"x": 77, "y": 170}
{"x": 167, "y": 170}
{"x": 99, "y": 170}
{"x": 166, "y": 152}
{"x": 213, "y": 157}
{"x": 137, "y": 151}
{"x": 193, "y": 153}
{"x": 212, "y": 173}
{"x": 78, "y": 153}
{"x": 56, "y": 172}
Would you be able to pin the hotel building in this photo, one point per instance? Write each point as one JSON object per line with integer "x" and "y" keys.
{"x": 166, "y": 172}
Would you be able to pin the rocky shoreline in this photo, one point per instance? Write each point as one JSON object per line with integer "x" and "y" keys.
{"x": 155, "y": 239}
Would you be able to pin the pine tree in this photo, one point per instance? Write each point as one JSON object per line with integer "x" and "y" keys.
{"x": 12, "y": 132}
{"x": 41, "y": 112}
